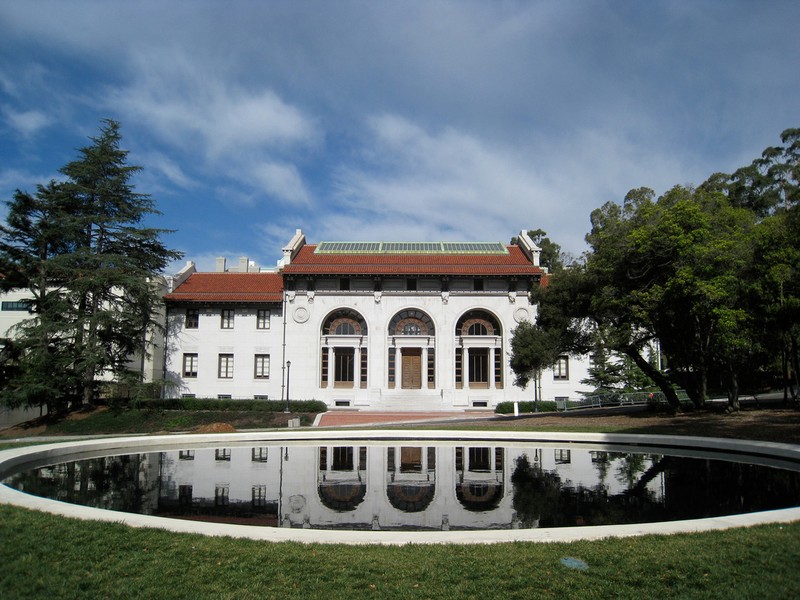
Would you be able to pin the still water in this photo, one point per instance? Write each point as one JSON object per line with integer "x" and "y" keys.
{"x": 415, "y": 487}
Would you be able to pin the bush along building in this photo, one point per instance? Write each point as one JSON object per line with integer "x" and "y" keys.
{"x": 374, "y": 325}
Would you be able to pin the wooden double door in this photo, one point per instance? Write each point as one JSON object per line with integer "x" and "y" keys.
{"x": 411, "y": 368}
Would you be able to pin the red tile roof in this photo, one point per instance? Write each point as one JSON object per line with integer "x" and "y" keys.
{"x": 229, "y": 287}
{"x": 306, "y": 262}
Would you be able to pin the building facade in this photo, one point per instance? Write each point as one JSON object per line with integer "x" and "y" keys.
{"x": 381, "y": 326}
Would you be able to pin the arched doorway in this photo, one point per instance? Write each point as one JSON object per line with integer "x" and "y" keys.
{"x": 344, "y": 350}
{"x": 412, "y": 351}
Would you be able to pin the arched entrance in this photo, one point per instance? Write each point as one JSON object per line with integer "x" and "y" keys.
{"x": 479, "y": 351}
{"x": 344, "y": 350}
{"x": 412, "y": 351}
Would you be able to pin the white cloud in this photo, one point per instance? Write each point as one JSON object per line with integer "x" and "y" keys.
{"x": 448, "y": 184}
{"x": 27, "y": 123}
{"x": 166, "y": 167}
{"x": 281, "y": 181}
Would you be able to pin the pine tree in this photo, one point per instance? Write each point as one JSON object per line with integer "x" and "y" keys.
{"x": 81, "y": 247}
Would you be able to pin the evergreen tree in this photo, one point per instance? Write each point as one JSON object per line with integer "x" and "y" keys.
{"x": 82, "y": 249}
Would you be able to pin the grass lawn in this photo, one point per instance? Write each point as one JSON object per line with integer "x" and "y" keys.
{"x": 45, "y": 556}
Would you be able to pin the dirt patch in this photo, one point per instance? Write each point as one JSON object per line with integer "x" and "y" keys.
{"x": 215, "y": 428}
{"x": 768, "y": 424}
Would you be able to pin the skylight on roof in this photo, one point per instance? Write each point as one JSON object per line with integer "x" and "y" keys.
{"x": 410, "y": 248}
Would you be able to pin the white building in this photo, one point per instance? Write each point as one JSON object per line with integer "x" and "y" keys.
{"x": 377, "y": 325}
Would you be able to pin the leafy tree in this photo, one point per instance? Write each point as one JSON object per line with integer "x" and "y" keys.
{"x": 81, "y": 248}
{"x": 770, "y": 187}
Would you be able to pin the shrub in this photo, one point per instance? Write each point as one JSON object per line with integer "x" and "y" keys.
{"x": 507, "y": 408}
{"x": 295, "y": 406}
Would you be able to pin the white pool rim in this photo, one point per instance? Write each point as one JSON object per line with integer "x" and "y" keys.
{"x": 768, "y": 453}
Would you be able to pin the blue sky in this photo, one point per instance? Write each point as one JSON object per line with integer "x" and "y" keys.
{"x": 394, "y": 120}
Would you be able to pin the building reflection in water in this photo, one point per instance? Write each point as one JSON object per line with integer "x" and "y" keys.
{"x": 367, "y": 487}
{"x": 420, "y": 487}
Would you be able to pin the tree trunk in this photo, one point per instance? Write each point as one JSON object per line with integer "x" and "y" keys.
{"x": 795, "y": 367}
{"x": 731, "y": 383}
{"x": 664, "y": 384}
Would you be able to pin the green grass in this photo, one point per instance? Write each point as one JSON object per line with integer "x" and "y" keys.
{"x": 54, "y": 557}
{"x": 46, "y": 556}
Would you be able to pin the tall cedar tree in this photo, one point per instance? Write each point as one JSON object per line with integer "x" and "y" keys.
{"x": 81, "y": 249}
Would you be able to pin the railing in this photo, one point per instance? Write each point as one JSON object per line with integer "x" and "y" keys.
{"x": 618, "y": 399}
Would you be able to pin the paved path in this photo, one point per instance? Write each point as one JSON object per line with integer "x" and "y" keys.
{"x": 362, "y": 417}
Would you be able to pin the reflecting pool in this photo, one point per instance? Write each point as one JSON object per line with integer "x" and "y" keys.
{"x": 407, "y": 486}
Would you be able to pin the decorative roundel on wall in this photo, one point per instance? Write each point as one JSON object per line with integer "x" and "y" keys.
{"x": 301, "y": 314}
{"x": 522, "y": 314}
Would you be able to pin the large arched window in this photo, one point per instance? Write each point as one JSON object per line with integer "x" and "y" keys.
{"x": 478, "y": 355}
{"x": 344, "y": 322}
{"x": 343, "y": 361}
{"x": 411, "y": 322}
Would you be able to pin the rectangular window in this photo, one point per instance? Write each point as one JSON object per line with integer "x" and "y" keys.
{"x": 188, "y": 396}
{"x": 324, "y": 370}
{"x": 344, "y": 284}
{"x": 222, "y": 454}
{"x": 262, "y": 366}
{"x": 259, "y": 495}
{"x": 221, "y": 495}
{"x": 391, "y": 368}
{"x": 477, "y": 285}
{"x": 561, "y": 368}
{"x": 562, "y": 456}
{"x": 190, "y": 365}
{"x": 342, "y": 458}
{"x": 480, "y": 459}
{"x": 262, "y": 318}
{"x": 184, "y": 495}
{"x": 411, "y": 285}
{"x": 344, "y": 371}
{"x": 364, "y": 368}
{"x": 186, "y": 455}
{"x": 259, "y": 454}
{"x": 192, "y": 318}
{"x": 225, "y": 370}
{"x": 459, "y": 369}
{"x": 431, "y": 368}
{"x": 498, "y": 369}
{"x": 17, "y": 305}
{"x": 226, "y": 318}
{"x": 224, "y": 397}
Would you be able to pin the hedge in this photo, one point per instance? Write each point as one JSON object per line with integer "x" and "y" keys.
{"x": 295, "y": 406}
{"x": 507, "y": 408}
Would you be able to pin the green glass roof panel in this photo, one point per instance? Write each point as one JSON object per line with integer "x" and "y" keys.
{"x": 411, "y": 248}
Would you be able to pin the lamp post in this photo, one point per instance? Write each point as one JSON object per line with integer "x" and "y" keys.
{"x": 288, "y": 374}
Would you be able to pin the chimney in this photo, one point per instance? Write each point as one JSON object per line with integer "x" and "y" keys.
{"x": 221, "y": 262}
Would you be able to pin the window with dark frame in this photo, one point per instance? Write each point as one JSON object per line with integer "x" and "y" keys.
{"x": 225, "y": 369}
{"x": 221, "y": 495}
{"x": 561, "y": 368}
{"x": 16, "y": 305}
{"x": 259, "y": 496}
{"x": 259, "y": 454}
{"x": 262, "y": 318}
{"x": 192, "y": 318}
{"x": 261, "y": 366}
{"x": 226, "y": 318}
{"x": 190, "y": 365}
